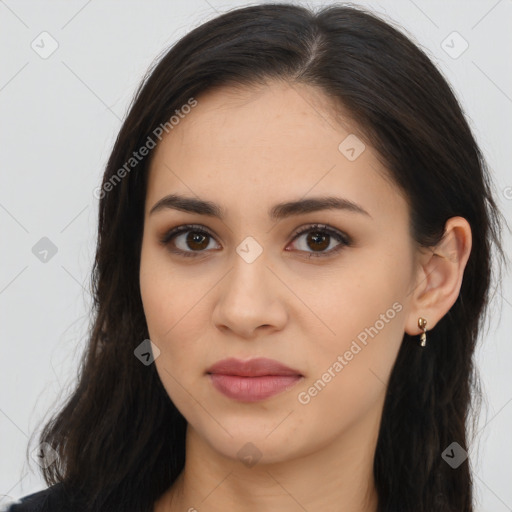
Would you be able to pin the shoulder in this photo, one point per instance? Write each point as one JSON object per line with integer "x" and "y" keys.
{"x": 52, "y": 499}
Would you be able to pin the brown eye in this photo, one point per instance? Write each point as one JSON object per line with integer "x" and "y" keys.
{"x": 197, "y": 241}
{"x": 188, "y": 240}
{"x": 320, "y": 241}
{"x": 192, "y": 240}
{"x": 319, "y": 238}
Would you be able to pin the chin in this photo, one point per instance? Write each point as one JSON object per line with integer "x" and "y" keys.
{"x": 250, "y": 445}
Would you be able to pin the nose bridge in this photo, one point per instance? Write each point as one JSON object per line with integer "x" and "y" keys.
{"x": 248, "y": 298}
{"x": 249, "y": 276}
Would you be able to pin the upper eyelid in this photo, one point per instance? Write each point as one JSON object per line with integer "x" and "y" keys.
{"x": 184, "y": 228}
{"x": 321, "y": 227}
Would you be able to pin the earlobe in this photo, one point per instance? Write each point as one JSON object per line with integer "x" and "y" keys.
{"x": 440, "y": 274}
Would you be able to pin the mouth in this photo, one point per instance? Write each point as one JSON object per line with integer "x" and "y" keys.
{"x": 252, "y": 380}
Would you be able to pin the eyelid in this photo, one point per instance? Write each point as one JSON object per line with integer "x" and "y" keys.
{"x": 340, "y": 236}
{"x": 186, "y": 227}
{"x": 322, "y": 227}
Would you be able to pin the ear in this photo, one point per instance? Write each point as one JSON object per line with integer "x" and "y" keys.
{"x": 439, "y": 276}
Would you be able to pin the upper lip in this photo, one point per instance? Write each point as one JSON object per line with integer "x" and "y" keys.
{"x": 256, "y": 367}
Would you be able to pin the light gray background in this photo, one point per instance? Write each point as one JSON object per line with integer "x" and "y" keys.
{"x": 59, "y": 118}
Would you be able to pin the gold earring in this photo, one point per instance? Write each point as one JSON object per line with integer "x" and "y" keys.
{"x": 422, "y": 324}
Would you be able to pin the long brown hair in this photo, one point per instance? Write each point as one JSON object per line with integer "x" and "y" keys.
{"x": 119, "y": 438}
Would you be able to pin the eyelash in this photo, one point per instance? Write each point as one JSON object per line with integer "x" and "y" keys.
{"x": 345, "y": 240}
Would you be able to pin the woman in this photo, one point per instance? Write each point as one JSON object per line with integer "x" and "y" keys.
{"x": 294, "y": 260}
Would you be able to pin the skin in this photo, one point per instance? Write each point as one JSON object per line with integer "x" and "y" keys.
{"x": 248, "y": 149}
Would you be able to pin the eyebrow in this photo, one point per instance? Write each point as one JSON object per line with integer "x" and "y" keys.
{"x": 278, "y": 211}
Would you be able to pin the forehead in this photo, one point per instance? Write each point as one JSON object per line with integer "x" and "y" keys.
{"x": 239, "y": 146}
{"x": 276, "y": 117}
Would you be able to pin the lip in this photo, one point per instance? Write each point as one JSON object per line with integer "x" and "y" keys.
{"x": 252, "y": 380}
{"x": 257, "y": 367}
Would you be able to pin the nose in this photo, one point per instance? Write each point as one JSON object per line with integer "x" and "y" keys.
{"x": 250, "y": 300}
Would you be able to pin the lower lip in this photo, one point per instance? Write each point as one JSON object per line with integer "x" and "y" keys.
{"x": 252, "y": 389}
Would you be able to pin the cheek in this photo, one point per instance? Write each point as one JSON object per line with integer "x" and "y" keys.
{"x": 173, "y": 326}
{"x": 363, "y": 317}
{"x": 165, "y": 293}
{"x": 346, "y": 400}
{"x": 349, "y": 370}
{"x": 175, "y": 316}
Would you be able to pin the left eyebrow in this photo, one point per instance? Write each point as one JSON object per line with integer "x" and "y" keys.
{"x": 276, "y": 212}
{"x": 284, "y": 210}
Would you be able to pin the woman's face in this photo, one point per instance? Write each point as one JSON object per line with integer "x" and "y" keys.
{"x": 333, "y": 308}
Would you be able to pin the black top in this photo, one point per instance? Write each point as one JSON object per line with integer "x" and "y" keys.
{"x": 52, "y": 499}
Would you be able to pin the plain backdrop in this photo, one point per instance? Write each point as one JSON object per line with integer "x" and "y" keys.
{"x": 60, "y": 114}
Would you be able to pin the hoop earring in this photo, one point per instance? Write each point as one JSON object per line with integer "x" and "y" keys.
{"x": 422, "y": 324}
